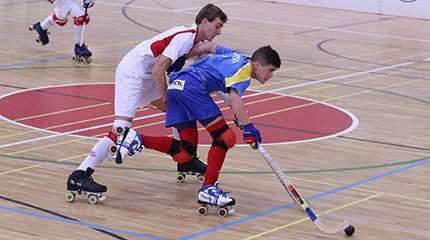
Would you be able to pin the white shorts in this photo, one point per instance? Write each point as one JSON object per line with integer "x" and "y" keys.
{"x": 134, "y": 89}
{"x": 65, "y": 8}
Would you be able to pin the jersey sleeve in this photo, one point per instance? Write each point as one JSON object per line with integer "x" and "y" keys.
{"x": 241, "y": 80}
{"x": 179, "y": 46}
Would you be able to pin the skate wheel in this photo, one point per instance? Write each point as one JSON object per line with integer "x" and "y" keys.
{"x": 231, "y": 211}
{"x": 200, "y": 178}
{"x": 203, "y": 210}
{"x": 70, "y": 196}
{"x": 102, "y": 198}
{"x": 113, "y": 149}
{"x": 222, "y": 212}
{"x": 118, "y": 130}
{"x": 30, "y": 28}
{"x": 92, "y": 199}
{"x": 180, "y": 178}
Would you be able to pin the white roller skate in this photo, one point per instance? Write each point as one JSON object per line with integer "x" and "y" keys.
{"x": 213, "y": 196}
{"x": 82, "y": 183}
{"x": 129, "y": 141}
{"x": 194, "y": 167}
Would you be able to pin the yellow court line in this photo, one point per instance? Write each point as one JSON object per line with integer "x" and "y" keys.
{"x": 361, "y": 189}
{"x": 65, "y": 124}
{"x": 37, "y": 165}
{"x": 305, "y": 219}
{"x": 379, "y": 104}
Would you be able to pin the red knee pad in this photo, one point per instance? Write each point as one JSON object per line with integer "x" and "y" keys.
{"x": 229, "y": 138}
{"x": 79, "y": 21}
{"x": 182, "y": 157}
{"x": 58, "y": 21}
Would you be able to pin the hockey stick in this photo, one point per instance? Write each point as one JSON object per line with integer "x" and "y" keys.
{"x": 300, "y": 201}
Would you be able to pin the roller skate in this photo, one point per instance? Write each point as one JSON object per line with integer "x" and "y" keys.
{"x": 82, "y": 183}
{"x": 212, "y": 196}
{"x": 191, "y": 168}
{"x": 129, "y": 141}
{"x": 42, "y": 34}
{"x": 82, "y": 54}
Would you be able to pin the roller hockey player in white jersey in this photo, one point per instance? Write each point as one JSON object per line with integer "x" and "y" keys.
{"x": 63, "y": 10}
{"x": 140, "y": 80}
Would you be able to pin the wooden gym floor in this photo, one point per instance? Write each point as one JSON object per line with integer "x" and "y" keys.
{"x": 374, "y": 174}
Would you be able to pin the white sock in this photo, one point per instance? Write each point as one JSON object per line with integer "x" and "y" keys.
{"x": 47, "y": 23}
{"x": 98, "y": 153}
{"x": 78, "y": 31}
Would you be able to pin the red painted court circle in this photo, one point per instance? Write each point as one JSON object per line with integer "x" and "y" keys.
{"x": 87, "y": 110}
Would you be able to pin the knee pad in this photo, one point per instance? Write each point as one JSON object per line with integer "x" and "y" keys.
{"x": 79, "y": 21}
{"x": 226, "y": 140}
{"x": 181, "y": 151}
{"x": 182, "y": 157}
{"x": 175, "y": 147}
{"x": 59, "y": 21}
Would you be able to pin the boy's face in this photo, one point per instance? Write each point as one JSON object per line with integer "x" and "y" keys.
{"x": 209, "y": 30}
{"x": 262, "y": 72}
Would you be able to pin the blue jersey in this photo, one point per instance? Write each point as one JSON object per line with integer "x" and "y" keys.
{"x": 219, "y": 72}
{"x": 188, "y": 96}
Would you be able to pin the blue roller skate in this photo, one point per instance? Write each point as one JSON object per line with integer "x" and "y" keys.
{"x": 82, "y": 54}
{"x": 42, "y": 34}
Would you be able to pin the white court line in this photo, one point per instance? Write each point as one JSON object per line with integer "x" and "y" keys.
{"x": 162, "y": 9}
{"x": 250, "y": 95}
{"x": 273, "y": 22}
{"x": 332, "y": 29}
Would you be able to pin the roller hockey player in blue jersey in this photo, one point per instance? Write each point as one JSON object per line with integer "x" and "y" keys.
{"x": 189, "y": 102}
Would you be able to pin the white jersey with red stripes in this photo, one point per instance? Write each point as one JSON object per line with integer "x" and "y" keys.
{"x": 172, "y": 43}
{"x": 134, "y": 85}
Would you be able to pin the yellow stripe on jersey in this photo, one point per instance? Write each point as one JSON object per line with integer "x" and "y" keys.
{"x": 243, "y": 74}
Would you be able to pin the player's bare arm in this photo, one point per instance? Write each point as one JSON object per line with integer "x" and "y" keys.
{"x": 238, "y": 107}
{"x": 159, "y": 74}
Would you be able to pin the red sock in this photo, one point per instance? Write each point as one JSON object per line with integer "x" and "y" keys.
{"x": 161, "y": 144}
{"x": 216, "y": 158}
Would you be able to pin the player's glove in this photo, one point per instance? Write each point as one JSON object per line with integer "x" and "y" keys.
{"x": 177, "y": 65}
{"x": 237, "y": 122}
{"x": 88, "y": 3}
{"x": 251, "y": 135}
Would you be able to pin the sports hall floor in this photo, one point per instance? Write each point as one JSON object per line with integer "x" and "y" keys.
{"x": 347, "y": 117}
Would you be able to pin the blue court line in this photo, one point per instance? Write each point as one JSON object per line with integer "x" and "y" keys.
{"x": 226, "y": 225}
{"x": 60, "y": 219}
{"x": 316, "y": 196}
